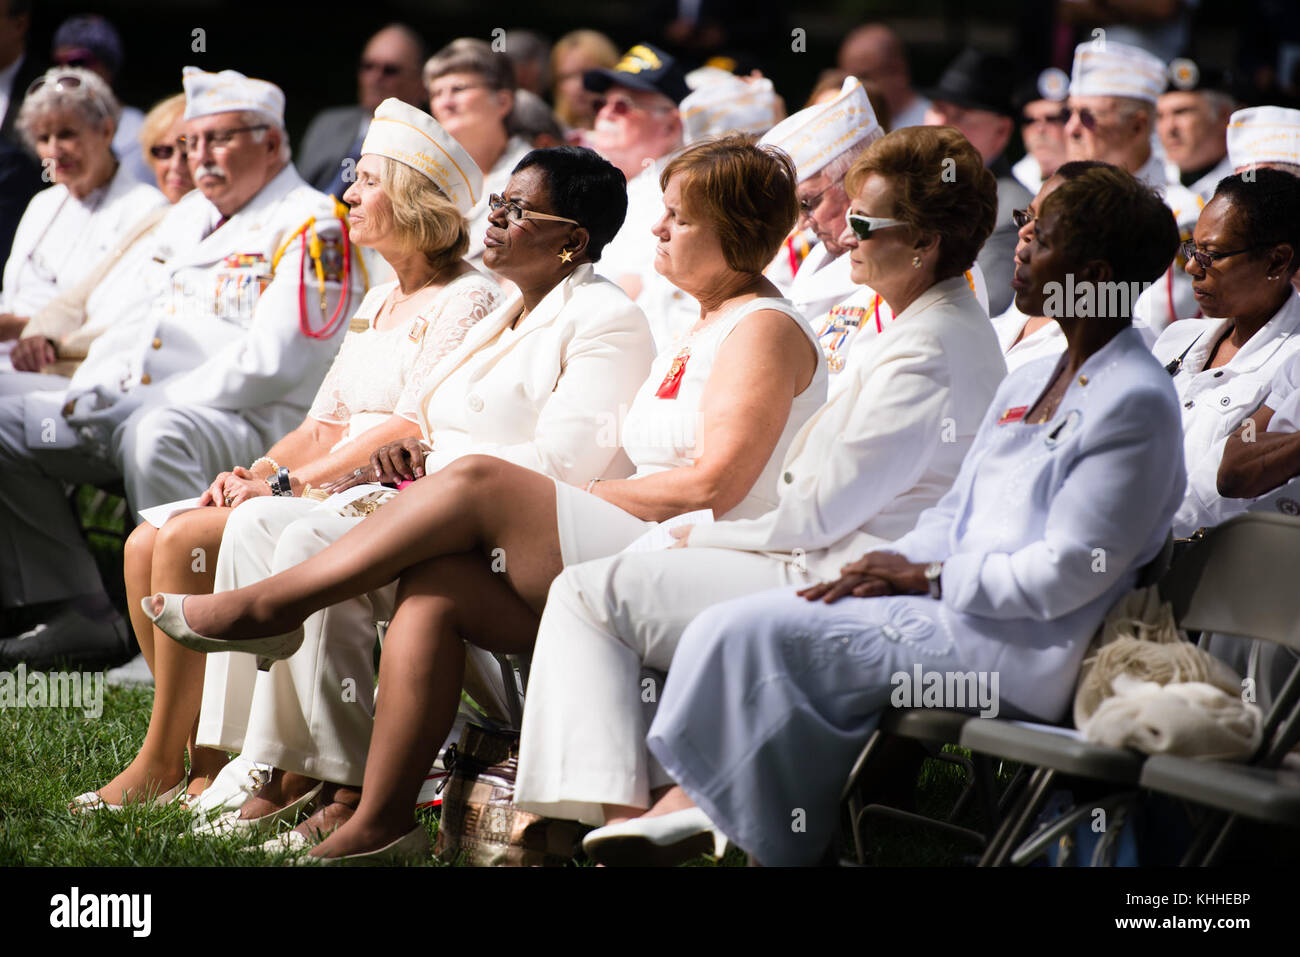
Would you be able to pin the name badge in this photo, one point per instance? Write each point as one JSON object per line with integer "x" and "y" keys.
{"x": 1014, "y": 414}
{"x": 418, "y": 325}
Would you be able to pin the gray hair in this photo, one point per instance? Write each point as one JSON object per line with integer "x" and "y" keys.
{"x": 254, "y": 118}
{"x": 84, "y": 93}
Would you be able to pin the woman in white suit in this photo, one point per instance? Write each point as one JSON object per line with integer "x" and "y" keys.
{"x": 535, "y": 383}
{"x": 1068, "y": 489}
{"x": 885, "y": 447}
{"x": 477, "y": 549}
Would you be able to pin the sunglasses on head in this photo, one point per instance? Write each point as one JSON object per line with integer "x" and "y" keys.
{"x": 63, "y": 81}
{"x": 864, "y": 226}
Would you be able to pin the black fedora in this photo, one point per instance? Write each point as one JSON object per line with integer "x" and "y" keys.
{"x": 976, "y": 81}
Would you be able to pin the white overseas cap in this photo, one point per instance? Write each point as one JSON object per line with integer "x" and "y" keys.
{"x": 728, "y": 104}
{"x": 1103, "y": 68}
{"x": 817, "y": 135}
{"x": 1264, "y": 134}
{"x": 229, "y": 92}
{"x": 410, "y": 136}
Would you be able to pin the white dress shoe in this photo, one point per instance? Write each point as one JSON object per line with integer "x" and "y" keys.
{"x": 413, "y": 844}
{"x": 91, "y": 802}
{"x": 232, "y": 786}
{"x": 659, "y": 841}
{"x": 171, "y": 621}
{"x": 231, "y": 823}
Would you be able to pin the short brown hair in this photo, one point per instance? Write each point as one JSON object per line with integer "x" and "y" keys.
{"x": 744, "y": 192}
{"x": 940, "y": 186}
{"x": 471, "y": 55}
{"x": 1105, "y": 213}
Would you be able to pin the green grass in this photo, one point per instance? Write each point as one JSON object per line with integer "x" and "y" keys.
{"x": 54, "y": 754}
{"x": 51, "y": 755}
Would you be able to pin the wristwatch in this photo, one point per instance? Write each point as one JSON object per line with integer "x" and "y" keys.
{"x": 279, "y": 482}
{"x": 932, "y": 573}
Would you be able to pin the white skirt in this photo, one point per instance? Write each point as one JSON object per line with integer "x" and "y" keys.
{"x": 590, "y": 527}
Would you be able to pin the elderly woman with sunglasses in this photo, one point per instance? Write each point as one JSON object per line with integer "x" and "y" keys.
{"x": 472, "y": 94}
{"x": 56, "y": 339}
{"x": 68, "y": 118}
{"x": 1066, "y": 492}
{"x": 1241, "y": 258}
{"x": 477, "y": 547}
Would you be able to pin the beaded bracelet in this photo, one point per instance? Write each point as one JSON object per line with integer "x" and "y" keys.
{"x": 275, "y": 466}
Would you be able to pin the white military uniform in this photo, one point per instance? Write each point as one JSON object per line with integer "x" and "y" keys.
{"x": 548, "y": 395}
{"x": 1216, "y": 401}
{"x": 1204, "y": 186}
{"x": 211, "y": 372}
{"x": 849, "y": 326}
{"x": 60, "y": 238}
{"x": 1170, "y": 297}
{"x": 857, "y": 475}
{"x": 772, "y": 696}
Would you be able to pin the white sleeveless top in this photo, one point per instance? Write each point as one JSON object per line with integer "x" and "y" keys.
{"x": 660, "y": 434}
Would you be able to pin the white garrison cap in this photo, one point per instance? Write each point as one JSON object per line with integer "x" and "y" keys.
{"x": 728, "y": 104}
{"x": 1264, "y": 134}
{"x": 1104, "y": 68}
{"x": 228, "y": 91}
{"x": 403, "y": 133}
{"x": 815, "y": 136}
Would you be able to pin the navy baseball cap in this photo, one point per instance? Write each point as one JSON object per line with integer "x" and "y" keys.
{"x": 644, "y": 67}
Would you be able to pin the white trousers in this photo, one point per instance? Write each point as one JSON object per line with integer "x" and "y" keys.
{"x": 162, "y": 454}
{"x": 313, "y": 712}
{"x": 586, "y": 714}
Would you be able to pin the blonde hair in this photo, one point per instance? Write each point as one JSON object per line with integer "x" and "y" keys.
{"x": 600, "y": 52}
{"x": 423, "y": 217}
{"x": 158, "y": 121}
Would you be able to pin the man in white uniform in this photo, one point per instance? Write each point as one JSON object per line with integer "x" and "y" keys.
{"x": 1113, "y": 92}
{"x": 638, "y": 129}
{"x": 244, "y": 281}
{"x": 1192, "y": 120}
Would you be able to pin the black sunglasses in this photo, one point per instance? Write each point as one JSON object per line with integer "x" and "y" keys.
{"x": 165, "y": 151}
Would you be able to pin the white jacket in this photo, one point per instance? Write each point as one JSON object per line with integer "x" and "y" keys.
{"x": 1216, "y": 401}
{"x": 887, "y": 445}
{"x": 219, "y": 329}
{"x": 548, "y": 395}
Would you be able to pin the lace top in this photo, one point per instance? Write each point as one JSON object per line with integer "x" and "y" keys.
{"x": 377, "y": 373}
